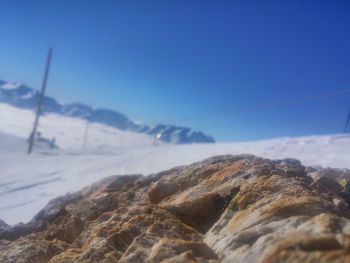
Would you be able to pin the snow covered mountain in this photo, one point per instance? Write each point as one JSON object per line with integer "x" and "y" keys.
{"x": 25, "y": 97}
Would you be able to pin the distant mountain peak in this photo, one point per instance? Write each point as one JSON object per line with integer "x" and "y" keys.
{"x": 9, "y": 85}
{"x": 23, "y": 96}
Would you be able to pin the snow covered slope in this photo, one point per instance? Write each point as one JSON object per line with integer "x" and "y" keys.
{"x": 27, "y": 183}
{"x": 25, "y": 97}
{"x": 68, "y": 131}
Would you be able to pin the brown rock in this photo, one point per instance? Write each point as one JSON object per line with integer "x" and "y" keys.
{"x": 170, "y": 246}
{"x": 224, "y": 209}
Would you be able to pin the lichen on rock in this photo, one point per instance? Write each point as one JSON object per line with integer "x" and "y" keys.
{"x": 224, "y": 209}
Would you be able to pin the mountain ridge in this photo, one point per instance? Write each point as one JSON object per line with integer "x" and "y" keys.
{"x": 23, "y": 96}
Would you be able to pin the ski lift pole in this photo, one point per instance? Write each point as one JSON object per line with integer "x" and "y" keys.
{"x": 85, "y": 134}
{"x": 86, "y": 130}
{"x": 346, "y": 128}
{"x": 40, "y": 102}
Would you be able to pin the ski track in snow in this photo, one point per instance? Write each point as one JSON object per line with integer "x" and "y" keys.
{"x": 28, "y": 182}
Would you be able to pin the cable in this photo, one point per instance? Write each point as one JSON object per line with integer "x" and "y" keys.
{"x": 262, "y": 107}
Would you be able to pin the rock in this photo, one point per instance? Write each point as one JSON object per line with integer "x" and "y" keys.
{"x": 345, "y": 194}
{"x": 327, "y": 183}
{"x": 3, "y": 226}
{"x": 224, "y": 209}
{"x": 166, "y": 246}
{"x": 11, "y": 233}
{"x": 31, "y": 249}
{"x": 335, "y": 174}
{"x": 271, "y": 219}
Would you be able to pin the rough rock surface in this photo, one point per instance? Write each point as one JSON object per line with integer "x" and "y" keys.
{"x": 224, "y": 209}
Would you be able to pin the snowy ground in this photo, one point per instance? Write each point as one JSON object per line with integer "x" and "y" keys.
{"x": 27, "y": 183}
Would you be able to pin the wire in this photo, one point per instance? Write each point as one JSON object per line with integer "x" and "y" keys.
{"x": 259, "y": 107}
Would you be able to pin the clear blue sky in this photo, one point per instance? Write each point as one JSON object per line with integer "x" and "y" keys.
{"x": 174, "y": 60}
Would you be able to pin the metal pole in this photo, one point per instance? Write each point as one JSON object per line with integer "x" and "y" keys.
{"x": 346, "y": 128}
{"x": 40, "y": 102}
{"x": 85, "y": 134}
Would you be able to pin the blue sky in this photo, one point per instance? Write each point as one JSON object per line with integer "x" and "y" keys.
{"x": 202, "y": 64}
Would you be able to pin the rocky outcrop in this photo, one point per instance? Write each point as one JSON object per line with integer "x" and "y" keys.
{"x": 224, "y": 209}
